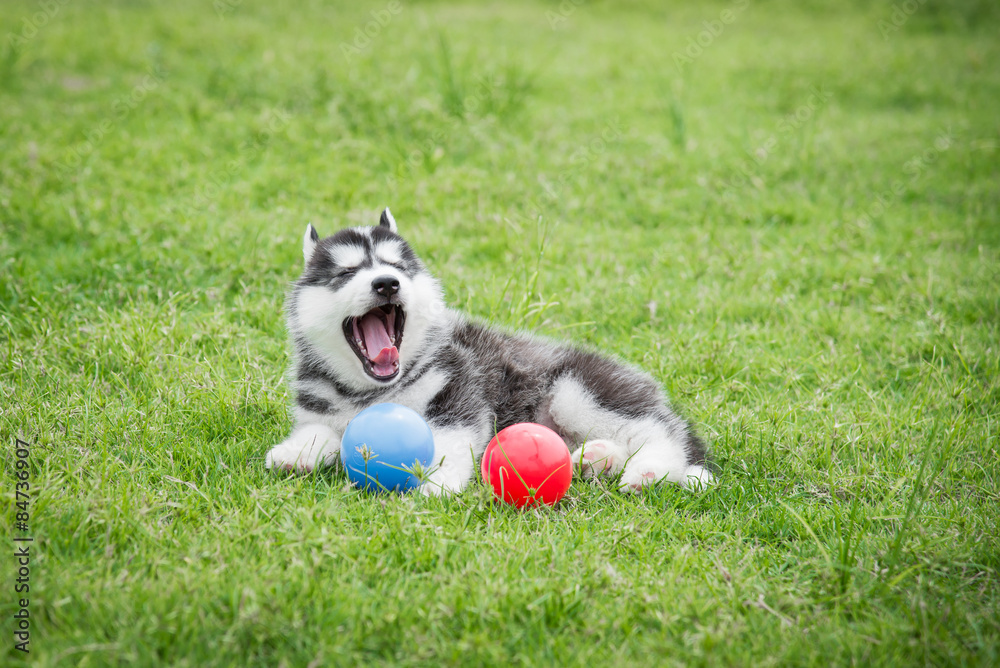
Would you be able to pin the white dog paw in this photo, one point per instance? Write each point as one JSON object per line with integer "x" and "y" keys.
{"x": 637, "y": 477}
{"x": 306, "y": 448}
{"x": 697, "y": 478}
{"x": 599, "y": 457}
{"x": 635, "y": 481}
{"x": 430, "y": 489}
{"x": 437, "y": 486}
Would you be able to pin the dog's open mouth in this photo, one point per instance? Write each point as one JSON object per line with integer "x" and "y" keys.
{"x": 375, "y": 338}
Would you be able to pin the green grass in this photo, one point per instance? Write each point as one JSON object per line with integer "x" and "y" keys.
{"x": 841, "y": 352}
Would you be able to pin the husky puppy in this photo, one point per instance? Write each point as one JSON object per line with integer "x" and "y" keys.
{"x": 368, "y": 324}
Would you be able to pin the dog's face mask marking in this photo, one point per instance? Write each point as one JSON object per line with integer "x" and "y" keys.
{"x": 361, "y": 290}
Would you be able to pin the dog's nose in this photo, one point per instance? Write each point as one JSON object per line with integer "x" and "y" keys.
{"x": 386, "y": 286}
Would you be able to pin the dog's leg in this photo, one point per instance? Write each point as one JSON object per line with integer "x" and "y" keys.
{"x": 651, "y": 463}
{"x": 574, "y": 410}
{"x": 459, "y": 417}
{"x": 454, "y": 459}
{"x": 625, "y": 426}
{"x": 309, "y": 446}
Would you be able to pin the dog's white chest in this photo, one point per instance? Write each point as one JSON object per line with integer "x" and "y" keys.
{"x": 418, "y": 395}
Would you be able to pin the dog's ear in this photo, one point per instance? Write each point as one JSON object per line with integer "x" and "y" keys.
{"x": 309, "y": 242}
{"x": 387, "y": 220}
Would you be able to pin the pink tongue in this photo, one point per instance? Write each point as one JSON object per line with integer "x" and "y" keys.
{"x": 377, "y": 338}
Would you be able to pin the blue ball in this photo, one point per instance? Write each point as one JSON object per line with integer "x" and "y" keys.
{"x": 381, "y": 442}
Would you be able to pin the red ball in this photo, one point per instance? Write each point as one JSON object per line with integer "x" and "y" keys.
{"x": 527, "y": 463}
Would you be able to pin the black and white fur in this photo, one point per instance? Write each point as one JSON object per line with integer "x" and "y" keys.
{"x": 467, "y": 380}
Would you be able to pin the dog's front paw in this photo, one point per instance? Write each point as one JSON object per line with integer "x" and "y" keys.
{"x": 306, "y": 448}
{"x": 438, "y": 487}
{"x": 430, "y": 489}
{"x": 444, "y": 482}
{"x": 599, "y": 457}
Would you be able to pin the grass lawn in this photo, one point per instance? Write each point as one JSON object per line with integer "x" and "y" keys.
{"x": 788, "y": 212}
